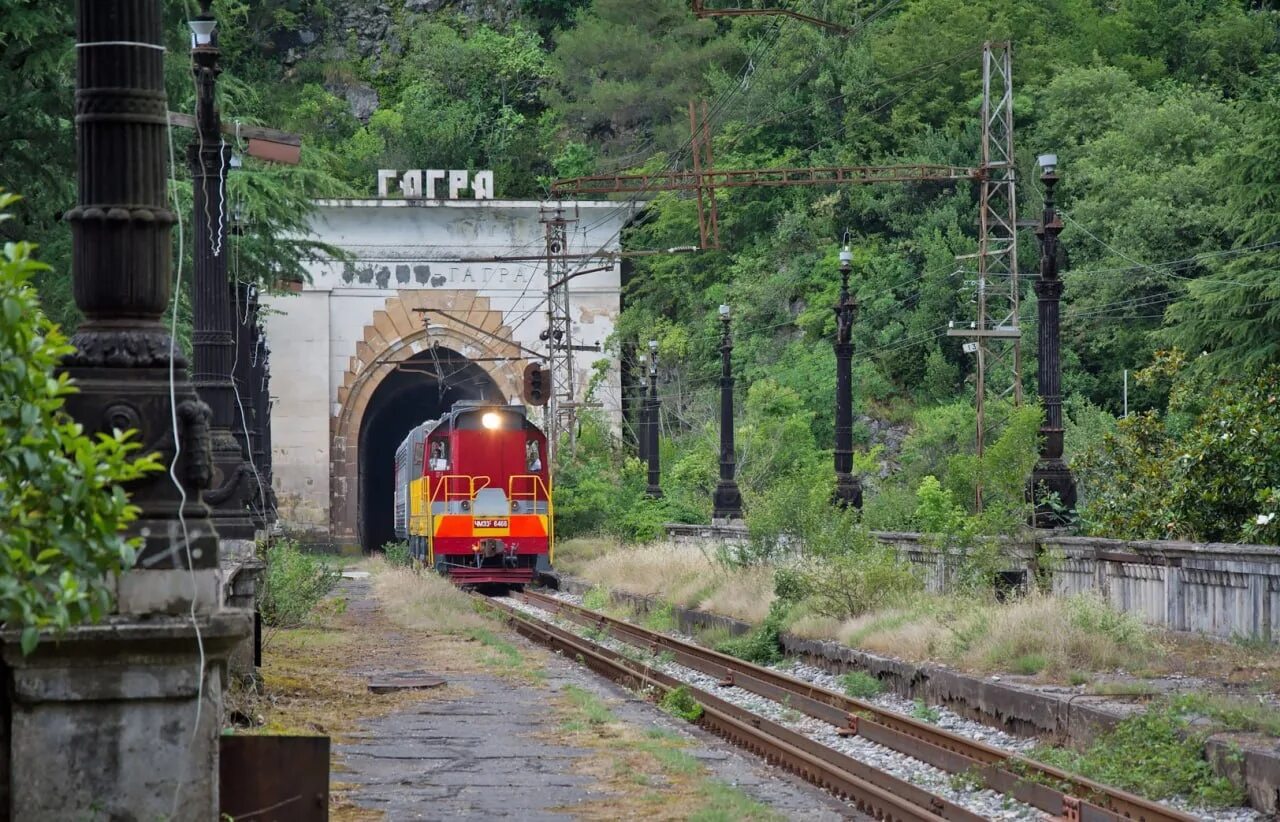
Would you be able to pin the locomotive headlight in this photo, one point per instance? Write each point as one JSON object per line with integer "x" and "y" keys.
{"x": 491, "y": 420}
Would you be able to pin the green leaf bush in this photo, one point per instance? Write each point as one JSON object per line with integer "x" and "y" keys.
{"x": 294, "y": 584}
{"x": 63, "y": 508}
{"x": 1208, "y": 468}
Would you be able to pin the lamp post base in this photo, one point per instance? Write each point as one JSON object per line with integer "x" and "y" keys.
{"x": 848, "y": 492}
{"x": 1052, "y": 490}
{"x": 727, "y": 502}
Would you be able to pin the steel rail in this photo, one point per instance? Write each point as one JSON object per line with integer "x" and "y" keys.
{"x": 872, "y": 791}
{"x": 1042, "y": 786}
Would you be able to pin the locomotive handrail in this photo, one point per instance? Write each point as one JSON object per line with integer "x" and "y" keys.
{"x": 446, "y": 483}
{"x": 536, "y": 485}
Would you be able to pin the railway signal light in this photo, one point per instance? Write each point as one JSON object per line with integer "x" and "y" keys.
{"x": 536, "y": 388}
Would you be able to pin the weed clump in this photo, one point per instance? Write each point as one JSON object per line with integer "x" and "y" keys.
{"x": 661, "y": 617}
{"x": 760, "y": 645}
{"x": 925, "y": 712}
{"x": 679, "y": 702}
{"x": 1151, "y": 754}
{"x": 596, "y": 599}
{"x": 861, "y": 685}
{"x": 294, "y": 583}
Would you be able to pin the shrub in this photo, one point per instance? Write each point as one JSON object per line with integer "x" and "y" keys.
{"x": 866, "y": 577}
{"x": 62, "y": 504}
{"x": 1207, "y": 469}
{"x": 790, "y": 584}
{"x": 679, "y": 702}
{"x": 293, "y": 585}
{"x": 397, "y": 554}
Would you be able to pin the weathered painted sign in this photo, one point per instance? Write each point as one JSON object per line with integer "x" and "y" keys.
{"x": 422, "y": 183}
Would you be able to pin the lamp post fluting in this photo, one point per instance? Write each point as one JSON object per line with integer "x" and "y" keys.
{"x": 128, "y": 372}
{"x": 727, "y": 502}
{"x": 1051, "y": 477}
{"x": 848, "y": 491}
{"x": 213, "y": 345}
{"x": 655, "y": 489}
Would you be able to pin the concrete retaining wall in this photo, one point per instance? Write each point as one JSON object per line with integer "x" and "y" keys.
{"x": 1213, "y": 588}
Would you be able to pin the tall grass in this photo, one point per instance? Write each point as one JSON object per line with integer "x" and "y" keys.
{"x": 426, "y": 602}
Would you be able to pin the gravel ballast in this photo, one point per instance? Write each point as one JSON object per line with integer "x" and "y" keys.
{"x": 986, "y": 802}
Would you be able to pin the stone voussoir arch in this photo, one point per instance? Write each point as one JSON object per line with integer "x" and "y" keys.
{"x": 396, "y": 334}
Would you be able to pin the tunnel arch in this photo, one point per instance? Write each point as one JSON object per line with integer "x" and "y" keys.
{"x": 464, "y": 331}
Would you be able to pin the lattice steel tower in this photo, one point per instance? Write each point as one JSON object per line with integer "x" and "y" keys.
{"x": 995, "y": 333}
{"x": 561, "y": 410}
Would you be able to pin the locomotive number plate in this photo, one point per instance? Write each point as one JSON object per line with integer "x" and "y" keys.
{"x": 489, "y": 523}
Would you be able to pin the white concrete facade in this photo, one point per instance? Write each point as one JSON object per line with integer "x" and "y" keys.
{"x": 333, "y": 342}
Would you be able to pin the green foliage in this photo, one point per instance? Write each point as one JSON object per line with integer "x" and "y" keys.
{"x": 925, "y": 712}
{"x": 1207, "y": 469}
{"x": 679, "y": 702}
{"x": 293, "y": 584}
{"x": 397, "y": 554}
{"x": 1234, "y": 313}
{"x": 1164, "y": 117}
{"x": 661, "y": 617}
{"x": 790, "y": 584}
{"x": 63, "y": 506}
{"x": 597, "y": 599}
{"x": 861, "y": 685}
{"x": 862, "y": 576}
{"x": 1155, "y": 754}
{"x": 761, "y": 644}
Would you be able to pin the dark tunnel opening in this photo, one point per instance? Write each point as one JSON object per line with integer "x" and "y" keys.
{"x": 421, "y": 388}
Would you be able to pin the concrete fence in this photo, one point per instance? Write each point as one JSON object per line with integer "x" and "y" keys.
{"x": 1219, "y": 589}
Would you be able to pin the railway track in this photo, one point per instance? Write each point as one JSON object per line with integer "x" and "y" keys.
{"x": 874, "y": 792}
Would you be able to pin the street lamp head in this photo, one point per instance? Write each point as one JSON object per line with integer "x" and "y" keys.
{"x": 724, "y": 312}
{"x": 1047, "y": 162}
{"x": 202, "y": 30}
{"x": 653, "y": 347}
{"x": 846, "y": 258}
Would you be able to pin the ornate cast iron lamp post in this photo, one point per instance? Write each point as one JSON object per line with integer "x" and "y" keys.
{"x": 125, "y": 364}
{"x": 727, "y": 499}
{"x": 212, "y": 341}
{"x": 654, "y": 490}
{"x": 848, "y": 489}
{"x": 1051, "y": 474}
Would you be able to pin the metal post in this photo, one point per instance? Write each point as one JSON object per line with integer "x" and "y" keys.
{"x": 1051, "y": 474}
{"x": 642, "y": 439}
{"x": 655, "y": 489}
{"x": 728, "y": 499}
{"x": 213, "y": 345}
{"x": 125, "y": 365}
{"x": 848, "y": 489}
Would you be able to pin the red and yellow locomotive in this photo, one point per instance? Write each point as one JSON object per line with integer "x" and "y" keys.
{"x": 473, "y": 495}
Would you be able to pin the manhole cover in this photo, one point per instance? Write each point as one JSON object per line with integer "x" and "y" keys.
{"x": 410, "y": 681}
